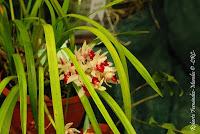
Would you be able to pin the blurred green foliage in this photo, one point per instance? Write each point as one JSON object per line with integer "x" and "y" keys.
{"x": 165, "y": 49}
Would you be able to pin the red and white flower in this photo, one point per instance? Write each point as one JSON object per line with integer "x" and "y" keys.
{"x": 95, "y": 65}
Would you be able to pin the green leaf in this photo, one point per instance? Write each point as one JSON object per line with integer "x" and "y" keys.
{"x": 86, "y": 124}
{"x": 5, "y": 81}
{"x": 88, "y": 109}
{"x": 191, "y": 129}
{"x": 170, "y": 128}
{"x": 118, "y": 111}
{"x": 25, "y": 41}
{"x": 2, "y": 1}
{"x": 22, "y": 7}
{"x": 6, "y": 110}
{"x": 35, "y": 8}
{"x": 54, "y": 78}
{"x": 170, "y": 78}
{"x": 162, "y": 76}
{"x": 29, "y": 5}
{"x": 52, "y": 12}
{"x": 92, "y": 91}
{"x": 22, "y": 90}
{"x": 152, "y": 121}
{"x": 36, "y": 36}
{"x": 6, "y": 36}
{"x": 41, "y": 122}
{"x": 141, "y": 69}
{"x": 65, "y": 6}
{"x": 57, "y": 7}
{"x": 11, "y": 10}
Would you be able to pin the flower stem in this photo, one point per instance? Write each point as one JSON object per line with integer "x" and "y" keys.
{"x": 144, "y": 100}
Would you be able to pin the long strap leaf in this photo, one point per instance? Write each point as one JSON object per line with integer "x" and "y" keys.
{"x": 57, "y": 7}
{"x": 52, "y": 12}
{"x": 5, "y": 81}
{"x": 25, "y": 41}
{"x": 120, "y": 114}
{"x": 22, "y": 89}
{"x": 41, "y": 102}
{"x": 23, "y": 7}
{"x": 141, "y": 69}
{"x": 88, "y": 109}
{"x": 29, "y": 5}
{"x": 6, "y": 110}
{"x": 65, "y": 6}
{"x": 54, "y": 78}
{"x": 5, "y": 35}
{"x": 92, "y": 91}
{"x": 36, "y": 6}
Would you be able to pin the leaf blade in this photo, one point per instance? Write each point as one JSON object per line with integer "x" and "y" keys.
{"x": 88, "y": 109}
{"x": 5, "y": 35}
{"x": 23, "y": 90}
{"x": 7, "y": 108}
{"x": 41, "y": 129}
{"x": 54, "y": 78}
{"x": 5, "y": 81}
{"x": 120, "y": 114}
{"x": 25, "y": 41}
{"x": 141, "y": 69}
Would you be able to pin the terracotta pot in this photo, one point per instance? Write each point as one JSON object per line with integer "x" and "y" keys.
{"x": 105, "y": 129}
{"x": 74, "y": 113}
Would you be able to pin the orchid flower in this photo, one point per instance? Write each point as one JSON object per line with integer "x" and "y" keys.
{"x": 69, "y": 130}
{"x": 95, "y": 65}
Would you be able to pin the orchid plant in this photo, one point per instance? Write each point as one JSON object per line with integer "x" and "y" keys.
{"x": 95, "y": 65}
{"x": 86, "y": 69}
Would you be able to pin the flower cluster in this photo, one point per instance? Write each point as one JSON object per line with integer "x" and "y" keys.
{"x": 95, "y": 65}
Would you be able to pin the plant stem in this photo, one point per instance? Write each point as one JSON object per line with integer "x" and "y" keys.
{"x": 139, "y": 87}
{"x": 153, "y": 15}
{"x": 144, "y": 100}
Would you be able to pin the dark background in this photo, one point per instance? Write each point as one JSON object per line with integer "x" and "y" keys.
{"x": 165, "y": 49}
